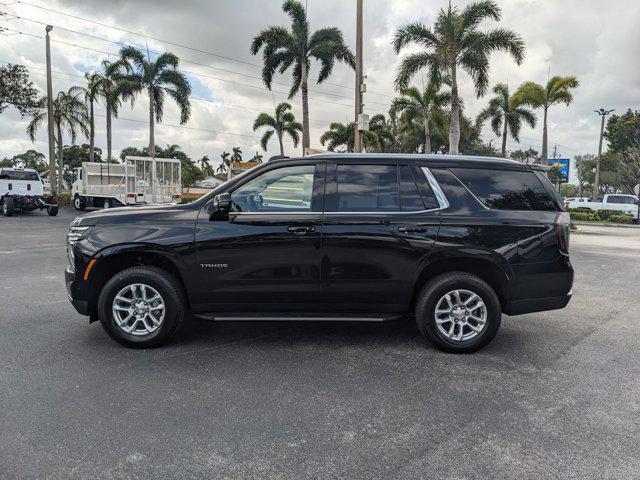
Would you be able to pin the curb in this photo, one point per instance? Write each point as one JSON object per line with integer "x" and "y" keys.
{"x": 594, "y": 224}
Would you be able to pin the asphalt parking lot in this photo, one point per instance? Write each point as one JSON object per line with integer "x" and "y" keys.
{"x": 556, "y": 395}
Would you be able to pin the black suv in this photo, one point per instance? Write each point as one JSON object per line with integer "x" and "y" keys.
{"x": 453, "y": 242}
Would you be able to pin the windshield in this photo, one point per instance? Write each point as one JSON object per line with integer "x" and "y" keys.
{"x": 19, "y": 175}
{"x": 222, "y": 188}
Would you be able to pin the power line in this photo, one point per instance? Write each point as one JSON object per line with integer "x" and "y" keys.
{"x": 105, "y": 25}
{"x": 192, "y": 62}
{"x": 196, "y": 74}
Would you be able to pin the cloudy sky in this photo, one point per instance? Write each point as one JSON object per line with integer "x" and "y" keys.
{"x": 598, "y": 42}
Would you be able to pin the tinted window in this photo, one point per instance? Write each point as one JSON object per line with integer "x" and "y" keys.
{"x": 506, "y": 189}
{"x": 621, "y": 199}
{"x": 409, "y": 195}
{"x": 287, "y": 189}
{"x": 18, "y": 175}
{"x": 367, "y": 188}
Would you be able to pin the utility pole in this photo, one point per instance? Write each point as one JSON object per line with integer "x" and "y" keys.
{"x": 555, "y": 156}
{"x": 52, "y": 151}
{"x": 359, "y": 79}
{"x": 596, "y": 185}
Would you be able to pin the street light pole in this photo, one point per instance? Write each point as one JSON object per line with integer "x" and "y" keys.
{"x": 52, "y": 152}
{"x": 359, "y": 78}
{"x": 596, "y": 184}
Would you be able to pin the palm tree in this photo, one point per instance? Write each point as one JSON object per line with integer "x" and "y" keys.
{"x": 295, "y": 48}
{"x": 69, "y": 114}
{"x": 506, "y": 115}
{"x": 111, "y": 75}
{"x": 257, "y": 158}
{"x": 425, "y": 106}
{"x": 206, "y": 167}
{"x": 557, "y": 90}
{"x": 384, "y": 129}
{"x": 340, "y": 134}
{"x": 225, "y": 166}
{"x": 157, "y": 79}
{"x": 455, "y": 41}
{"x": 90, "y": 93}
{"x": 283, "y": 122}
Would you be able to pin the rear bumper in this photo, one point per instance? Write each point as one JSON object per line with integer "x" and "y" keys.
{"x": 520, "y": 307}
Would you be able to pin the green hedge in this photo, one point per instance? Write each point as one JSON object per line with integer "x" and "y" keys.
{"x": 190, "y": 198}
{"x": 64, "y": 198}
{"x": 586, "y": 215}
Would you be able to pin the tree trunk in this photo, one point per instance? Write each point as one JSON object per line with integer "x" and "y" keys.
{"x": 281, "y": 145}
{"x": 427, "y": 135}
{"x": 92, "y": 132}
{"x": 108, "y": 131}
{"x": 306, "y": 141}
{"x": 543, "y": 156}
{"x": 504, "y": 138}
{"x": 152, "y": 140}
{"x": 454, "y": 132}
{"x": 60, "y": 158}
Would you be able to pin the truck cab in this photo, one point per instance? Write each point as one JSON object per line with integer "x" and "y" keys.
{"x": 21, "y": 189}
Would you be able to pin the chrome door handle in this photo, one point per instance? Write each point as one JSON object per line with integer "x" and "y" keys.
{"x": 301, "y": 230}
{"x": 412, "y": 229}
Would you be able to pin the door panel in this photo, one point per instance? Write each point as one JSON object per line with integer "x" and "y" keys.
{"x": 266, "y": 255}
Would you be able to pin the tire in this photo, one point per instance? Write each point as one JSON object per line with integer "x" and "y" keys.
{"x": 79, "y": 203}
{"x": 52, "y": 210}
{"x": 8, "y": 206}
{"x": 164, "y": 284}
{"x": 436, "y": 328}
{"x": 107, "y": 203}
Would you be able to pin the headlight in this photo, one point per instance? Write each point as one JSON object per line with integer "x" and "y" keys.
{"x": 75, "y": 234}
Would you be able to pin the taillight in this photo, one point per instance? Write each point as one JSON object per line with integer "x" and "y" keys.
{"x": 563, "y": 222}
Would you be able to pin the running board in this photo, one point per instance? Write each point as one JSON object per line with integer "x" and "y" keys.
{"x": 292, "y": 318}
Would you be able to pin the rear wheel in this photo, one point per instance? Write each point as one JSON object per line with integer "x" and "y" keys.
{"x": 108, "y": 203}
{"x": 7, "y": 206}
{"x": 79, "y": 203}
{"x": 52, "y": 210}
{"x": 458, "y": 312}
{"x": 141, "y": 307}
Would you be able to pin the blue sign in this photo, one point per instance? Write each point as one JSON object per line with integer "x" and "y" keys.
{"x": 562, "y": 164}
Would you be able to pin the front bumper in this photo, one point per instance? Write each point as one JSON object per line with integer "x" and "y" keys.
{"x": 76, "y": 293}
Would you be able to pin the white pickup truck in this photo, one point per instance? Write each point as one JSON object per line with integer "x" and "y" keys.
{"x": 21, "y": 190}
{"x": 615, "y": 202}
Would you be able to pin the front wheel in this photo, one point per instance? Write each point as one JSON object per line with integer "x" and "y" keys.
{"x": 8, "y": 206}
{"x": 52, "y": 210}
{"x": 141, "y": 307}
{"x": 458, "y": 312}
{"x": 79, "y": 203}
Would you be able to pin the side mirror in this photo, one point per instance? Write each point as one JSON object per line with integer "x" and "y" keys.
{"x": 221, "y": 206}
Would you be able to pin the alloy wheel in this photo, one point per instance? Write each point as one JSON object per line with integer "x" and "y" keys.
{"x": 138, "y": 309}
{"x": 460, "y": 315}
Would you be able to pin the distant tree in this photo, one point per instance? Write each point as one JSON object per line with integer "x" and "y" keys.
{"x": 584, "y": 166}
{"x": 525, "y": 156}
{"x": 157, "y": 79}
{"x": 225, "y": 164}
{"x": 506, "y": 115}
{"x": 569, "y": 190}
{"x": 132, "y": 152}
{"x": 17, "y": 90}
{"x": 623, "y": 135}
{"x": 206, "y": 167}
{"x": 90, "y": 94}
{"x": 74, "y": 155}
{"x": 236, "y": 156}
{"x": 257, "y": 158}
{"x": 384, "y": 129}
{"x": 29, "y": 159}
{"x": 425, "y": 106}
{"x": 69, "y": 114}
{"x": 283, "y": 48}
{"x": 557, "y": 90}
{"x": 455, "y": 41}
{"x": 282, "y": 122}
{"x": 343, "y": 135}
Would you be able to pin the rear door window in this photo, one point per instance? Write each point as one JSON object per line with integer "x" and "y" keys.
{"x": 506, "y": 189}
{"x": 368, "y": 188}
{"x": 19, "y": 175}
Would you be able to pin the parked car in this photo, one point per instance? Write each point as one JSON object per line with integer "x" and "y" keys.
{"x": 616, "y": 202}
{"x": 21, "y": 189}
{"x": 450, "y": 241}
{"x": 575, "y": 202}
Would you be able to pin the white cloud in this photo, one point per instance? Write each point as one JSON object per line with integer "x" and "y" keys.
{"x": 598, "y": 45}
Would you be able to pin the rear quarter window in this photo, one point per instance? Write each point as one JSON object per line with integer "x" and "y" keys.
{"x": 506, "y": 189}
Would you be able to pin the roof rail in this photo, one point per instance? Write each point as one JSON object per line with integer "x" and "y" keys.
{"x": 277, "y": 157}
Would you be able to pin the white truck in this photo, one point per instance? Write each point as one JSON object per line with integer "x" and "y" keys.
{"x": 21, "y": 189}
{"x": 616, "y": 202}
{"x": 137, "y": 181}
